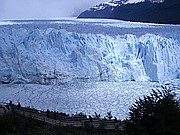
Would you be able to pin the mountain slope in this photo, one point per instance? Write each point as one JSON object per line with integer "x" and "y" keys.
{"x": 167, "y": 11}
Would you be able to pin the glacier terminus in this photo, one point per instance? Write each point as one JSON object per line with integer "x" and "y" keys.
{"x": 56, "y": 51}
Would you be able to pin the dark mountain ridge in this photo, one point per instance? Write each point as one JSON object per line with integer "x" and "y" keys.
{"x": 167, "y": 11}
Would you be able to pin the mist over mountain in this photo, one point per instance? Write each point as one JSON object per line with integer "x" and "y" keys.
{"x": 153, "y": 11}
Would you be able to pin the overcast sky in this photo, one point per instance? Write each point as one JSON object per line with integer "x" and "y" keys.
{"x": 38, "y": 9}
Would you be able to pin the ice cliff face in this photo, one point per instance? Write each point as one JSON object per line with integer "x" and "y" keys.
{"x": 60, "y": 51}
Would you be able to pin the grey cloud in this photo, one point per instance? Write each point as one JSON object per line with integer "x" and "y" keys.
{"x": 35, "y": 9}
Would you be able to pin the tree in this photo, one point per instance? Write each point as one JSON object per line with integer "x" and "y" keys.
{"x": 109, "y": 115}
{"x": 157, "y": 114}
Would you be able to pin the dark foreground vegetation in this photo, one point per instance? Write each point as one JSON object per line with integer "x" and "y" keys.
{"x": 156, "y": 114}
{"x": 16, "y": 124}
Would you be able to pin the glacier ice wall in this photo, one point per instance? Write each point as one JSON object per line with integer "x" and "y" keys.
{"x": 56, "y": 52}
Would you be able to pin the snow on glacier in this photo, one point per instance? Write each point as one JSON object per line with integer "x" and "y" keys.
{"x": 59, "y": 50}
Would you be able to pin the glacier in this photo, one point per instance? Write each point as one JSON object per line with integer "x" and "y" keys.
{"x": 57, "y": 51}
